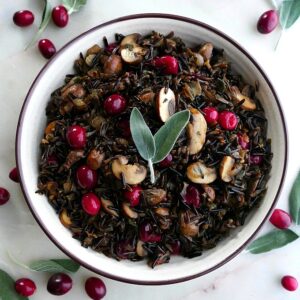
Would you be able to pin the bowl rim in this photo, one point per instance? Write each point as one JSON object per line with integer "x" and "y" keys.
{"x": 27, "y": 100}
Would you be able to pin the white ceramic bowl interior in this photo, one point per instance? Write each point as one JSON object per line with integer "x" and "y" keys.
{"x": 33, "y": 119}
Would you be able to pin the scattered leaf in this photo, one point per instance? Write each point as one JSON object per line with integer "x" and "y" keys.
{"x": 289, "y": 12}
{"x": 272, "y": 240}
{"x": 294, "y": 200}
{"x": 55, "y": 265}
{"x": 73, "y": 5}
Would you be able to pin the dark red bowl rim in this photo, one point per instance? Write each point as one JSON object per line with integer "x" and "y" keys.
{"x": 23, "y": 111}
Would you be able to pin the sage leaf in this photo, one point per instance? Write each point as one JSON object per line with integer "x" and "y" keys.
{"x": 44, "y": 22}
{"x": 289, "y": 12}
{"x": 55, "y": 265}
{"x": 294, "y": 200}
{"x": 73, "y": 5}
{"x": 166, "y": 137}
{"x": 141, "y": 135}
{"x": 7, "y": 288}
{"x": 272, "y": 240}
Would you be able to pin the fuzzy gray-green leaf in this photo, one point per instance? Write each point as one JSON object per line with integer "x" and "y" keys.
{"x": 73, "y": 5}
{"x": 55, "y": 265}
{"x": 289, "y": 12}
{"x": 141, "y": 135}
{"x": 294, "y": 200}
{"x": 7, "y": 288}
{"x": 166, "y": 137}
{"x": 272, "y": 240}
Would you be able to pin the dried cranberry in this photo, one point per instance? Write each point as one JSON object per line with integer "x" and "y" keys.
{"x": 147, "y": 233}
{"x": 243, "y": 141}
{"x": 167, "y": 161}
{"x": 256, "y": 159}
{"x": 191, "y": 195}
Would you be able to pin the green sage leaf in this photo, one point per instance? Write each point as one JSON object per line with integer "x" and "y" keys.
{"x": 289, "y": 12}
{"x": 7, "y": 288}
{"x": 272, "y": 240}
{"x": 166, "y": 137}
{"x": 45, "y": 20}
{"x": 55, "y": 265}
{"x": 294, "y": 200}
{"x": 73, "y": 5}
{"x": 141, "y": 135}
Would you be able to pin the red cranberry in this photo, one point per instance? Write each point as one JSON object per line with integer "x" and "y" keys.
{"x": 76, "y": 136}
{"x": 281, "y": 219}
{"x": 227, "y": 120}
{"x": 115, "y": 104}
{"x": 167, "y": 161}
{"x": 14, "y": 175}
{"x": 267, "y": 21}
{"x": 124, "y": 248}
{"x": 60, "y": 16}
{"x": 191, "y": 195}
{"x": 4, "y": 195}
{"x": 59, "y": 284}
{"x": 168, "y": 64}
{"x": 86, "y": 177}
{"x": 124, "y": 127}
{"x": 47, "y": 48}
{"x": 147, "y": 233}
{"x": 23, "y": 18}
{"x": 52, "y": 159}
{"x": 95, "y": 288}
{"x": 243, "y": 141}
{"x": 111, "y": 47}
{"x": 176, "y": 247}
{"x": 290, "y": 283}
{"x": 256, "y": 159}
{"x": 211, "y": 115}
{"x": 25, "y": 287}
{"x": 91, "y": 204}
{"x": 133, "y": 196}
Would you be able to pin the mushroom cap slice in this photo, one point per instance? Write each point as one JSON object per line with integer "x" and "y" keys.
{"x": 65, "y": 219}
{"x": 197, "y": 172}
{"x": 188, "y": 227}
{"x": 129, "y": 39}
{"x": 196, "y": 131}
{"x": 128, "y": 212}
{"x": 237, "y": 96}
{"x": 107, "y": 204}
{"x": 226, "y": 168}
{"x": 165, "y": 103}
{"x": 133, "y": 55}
{"x": 131, "y": 173}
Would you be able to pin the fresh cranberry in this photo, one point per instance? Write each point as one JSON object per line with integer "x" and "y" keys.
{"x": 256, "y": 159}
{"x": 211, "y": 115}
{"x": 133, "y": 196}
{"x": 281, "y": 219}
{"x": 47, "y": 48}
{"x": 91, "y": 204}
{"x": 227, "y": 120}
{"x": 14, "y": 175}
{"x": 243, "y": 141}
{"x": 191, "y": 195}
{"x": 86, "y": 177}
{"x": 124, "y": 127}
{"x": 25, "y": 287}
{"x": 115, "y": 104}
{"x": 290, "y": 283}
{"x": 267, "y": 21}
{"x": 95, "y": 288}
{"x": 147, "y": 233}
{"x": 167, "y": 161}
{"x": 111, "y": 47}
{"x": 176, "y": 247}
{"x": 4, "y": 195}
{"x": 23, "y": 18}
{"x": 59, "y": 284}
{"x": 168, "y": 64}
{"x": 60, "y": 16}
{"x": 76, "y": 136}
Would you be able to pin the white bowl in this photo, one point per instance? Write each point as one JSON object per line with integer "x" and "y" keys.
{"x": 32, "y": 121}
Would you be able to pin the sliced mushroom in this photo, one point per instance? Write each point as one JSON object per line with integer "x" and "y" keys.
{"x": 188, "y": 226}
{"x": 107, "y": 204}
{"x": 165, "y": 103}
{"x": 65, "y": 219}
{"x": 133, "y": 55}
{"x": 196, "y": 131}
{"x": 199, "y": 60}
{"x": 206, "y": 51}
{"x": 228, "y": 168}
{"x": 95, "y": 159}
{"x": 76, "y": 90}
{"x": 162, "y": 211}
{"x": 130, "y": 213}
{"x": 191, "y": 90}
{"x": 90, "y": 59}
{"x": 154, "y": 196}
{"x": 147, "y": 96}
{"x": 72, "y": 157}
{"x": 131, "y": 173}
{"x": 248, "y": 104}
{"x": 197, "y": 172}
{"x": 140, "y": 250}
{"x": 50, "y": 128}
{"x": 93, "y": 50}
{"x": 130, "y": 39}
{"x": 97, "y": 122}
{"x": 113, "y": 65}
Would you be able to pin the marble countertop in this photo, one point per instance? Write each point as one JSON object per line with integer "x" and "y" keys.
{"x": 246, "y": 276}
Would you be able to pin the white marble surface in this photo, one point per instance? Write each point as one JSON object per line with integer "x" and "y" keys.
{"x": 245, "y": 277}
